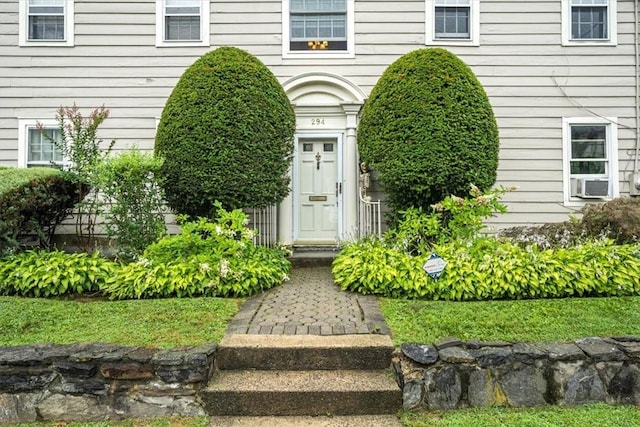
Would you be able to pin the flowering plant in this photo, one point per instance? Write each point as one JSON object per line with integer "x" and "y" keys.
{"x": 453, "y": 219}
{"x": 216, "y": 258}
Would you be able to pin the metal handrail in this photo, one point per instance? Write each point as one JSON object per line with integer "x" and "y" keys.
{"x": 370, "y": 218}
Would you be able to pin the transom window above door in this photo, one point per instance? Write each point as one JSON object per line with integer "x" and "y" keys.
{"x": 318, "y": 27}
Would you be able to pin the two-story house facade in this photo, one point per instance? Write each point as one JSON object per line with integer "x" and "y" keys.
{"x": 561, "y": 75}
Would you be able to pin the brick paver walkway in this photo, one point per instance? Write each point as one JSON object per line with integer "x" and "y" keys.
{"x": 309, "y": 304}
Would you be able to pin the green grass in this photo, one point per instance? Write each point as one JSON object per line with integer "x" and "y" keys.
{"x": 523, "y": 321}
{"x": 600, "y": 415}
{"x": 160, "y": 323}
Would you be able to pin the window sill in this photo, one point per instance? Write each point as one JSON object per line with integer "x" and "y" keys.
{"x": 589, "y": 43}
{"x": 46, "y": 43}
{"x": 452, "y": 42}
{"x": 576, "y": 202}
{"x": 327, "y": 54}
{"x": 197, "y": 43}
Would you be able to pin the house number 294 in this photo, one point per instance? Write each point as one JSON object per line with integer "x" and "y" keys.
{"x": 317, "y": 122}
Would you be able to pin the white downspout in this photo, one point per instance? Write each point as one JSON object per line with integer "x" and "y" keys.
{"x": 636, "y": 163}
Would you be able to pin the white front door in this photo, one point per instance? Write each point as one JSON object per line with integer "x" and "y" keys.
{"x": 317, "y": 191}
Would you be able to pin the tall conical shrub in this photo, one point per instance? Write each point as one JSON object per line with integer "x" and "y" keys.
{"x": 226, "y": 134}
{"x": 428, "y": 129}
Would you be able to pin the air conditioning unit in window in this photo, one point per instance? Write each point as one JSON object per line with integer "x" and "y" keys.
{"x": 589, "y": 188}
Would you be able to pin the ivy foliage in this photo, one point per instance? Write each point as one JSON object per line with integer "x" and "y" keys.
{"x": 226, "y": 134}
{"x": 429, "y": 131}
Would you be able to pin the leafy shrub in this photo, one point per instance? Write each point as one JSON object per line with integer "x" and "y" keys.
{"x": 226, "y": 134}
{"x": 207, "y": 258}
{"x": 81, "y": 147}
{"x": 135, "y": 217}
{"x": 454, "y": 218}
{"x": 546, "y": 236}
{"x": 33, "y": 201}
{"x": 199, "y": 275}
{"x": 428, "y": 129}
{"x": 618, "y": 219}
{"x": 47, "y": 274}
{"x": 489, "y": 269}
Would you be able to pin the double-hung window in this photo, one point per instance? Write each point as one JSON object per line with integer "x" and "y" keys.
{"x": 589, "y": 21}
{"x": 452, "y": 22}
{"x": 46, "y": 22}
{"x": 315, "y": 26}
{"x": 590, "y": 156}
{"x": 182, "y": 22}
{"x": 36, "y": 145}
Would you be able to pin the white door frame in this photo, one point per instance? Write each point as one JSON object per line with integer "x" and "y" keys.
{"x": 338, "y": 136}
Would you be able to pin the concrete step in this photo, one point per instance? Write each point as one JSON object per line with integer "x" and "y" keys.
{"x": 317, "y": 421}
{"x": 304, "y": 352}
{"x": 286, "y": 393}
{"x": 312, "y": 256}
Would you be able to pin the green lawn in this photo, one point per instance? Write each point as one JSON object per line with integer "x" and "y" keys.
{"x": 524, "y": 320}
{"x": 160, "y": 323}
{"x": 600, "y": 415}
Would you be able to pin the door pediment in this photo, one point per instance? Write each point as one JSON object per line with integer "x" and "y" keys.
{"x": 322, "y": 89}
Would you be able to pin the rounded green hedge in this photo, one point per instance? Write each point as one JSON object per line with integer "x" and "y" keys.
{"x": 428, "y": 129}
{"x": 226, "y": 134}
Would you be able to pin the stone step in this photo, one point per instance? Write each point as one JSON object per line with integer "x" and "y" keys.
{"x": 304, "y": 352}
{"x": 308, "y": 421}
{"x": 286, "y": 393}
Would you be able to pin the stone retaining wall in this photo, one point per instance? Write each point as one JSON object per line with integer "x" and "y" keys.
{"x": 451, "y": 374}
{"x": 86, "y": 382}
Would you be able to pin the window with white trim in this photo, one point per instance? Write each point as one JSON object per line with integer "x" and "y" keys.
{"x": 36, "y": 146}
{"x": 318, "y": 27}
{"x": 182, "y": 23}
{"x": 589, "y": 21}
{"x": 46, "y": 22}
{"x": 451, "y": 22}
{"x": 590, "y": 158}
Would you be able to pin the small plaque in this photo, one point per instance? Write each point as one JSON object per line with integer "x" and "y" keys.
{"x": 434, "y": 266}
{"x": 317, "y": 198}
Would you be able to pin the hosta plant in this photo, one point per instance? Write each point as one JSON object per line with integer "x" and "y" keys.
{"x": 47, "y": 274}
{"x": 207, "y": 258}
{"x": 489, "y": 269}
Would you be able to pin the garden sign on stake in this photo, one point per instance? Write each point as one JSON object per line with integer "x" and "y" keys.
{"x": 434, "y": 266}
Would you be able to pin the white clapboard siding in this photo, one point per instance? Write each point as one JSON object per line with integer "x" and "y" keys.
{"x": 531, "y": 79}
